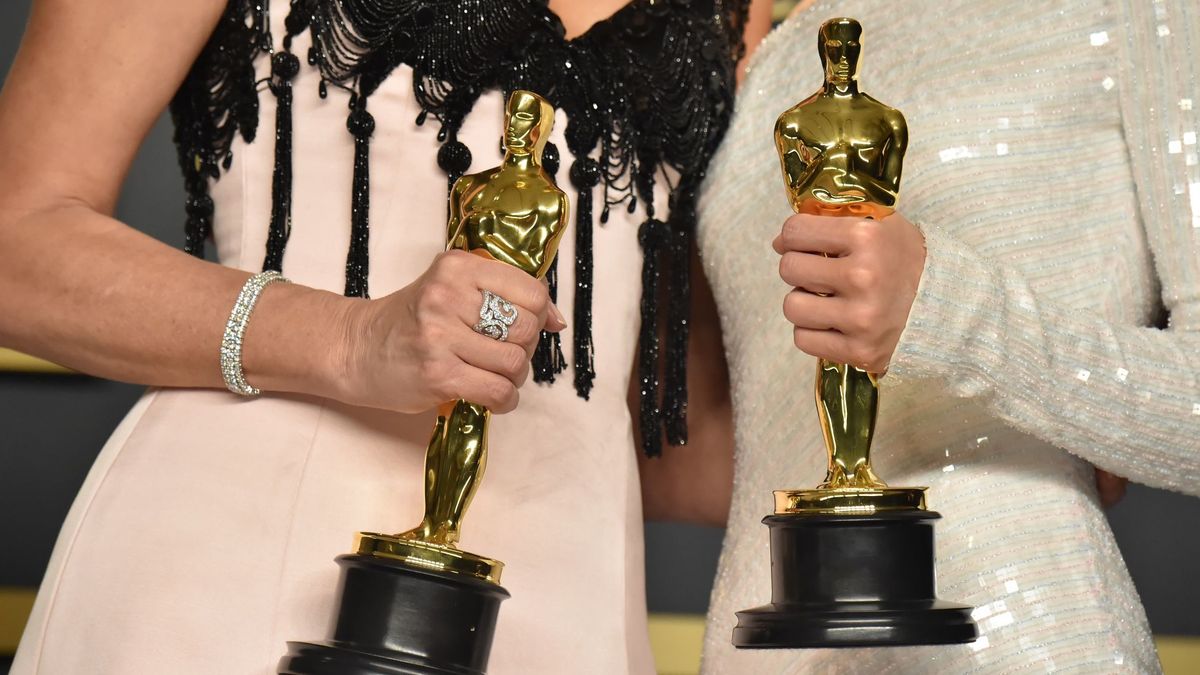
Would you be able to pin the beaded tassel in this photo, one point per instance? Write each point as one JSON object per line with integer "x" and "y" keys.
{"x": 648, "y": 91}
{"x": 585, "y": 175}
{"x": 650, "y": 236}
{"x": 548, "y": 359}
{"x": 361, "y": 125}
{"x": 675, "y": 393}
{"x": 222, "y": 79}
{"x": 284, "y": 67}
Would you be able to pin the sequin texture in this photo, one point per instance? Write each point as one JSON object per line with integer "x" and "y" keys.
{"x": 1059, "y": 227}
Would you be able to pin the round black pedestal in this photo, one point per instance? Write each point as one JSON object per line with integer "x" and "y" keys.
{"x": 853, "y": 580}
{"x": 394, "y": 619}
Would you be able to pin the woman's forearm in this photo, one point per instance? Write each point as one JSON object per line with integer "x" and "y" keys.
{"x": 91, "y": 293}
{"x": 77, "y": 286}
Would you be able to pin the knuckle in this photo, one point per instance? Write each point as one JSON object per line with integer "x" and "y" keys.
{"x": 438, "y": 379}
{"x": 536, "y": 296}
{"x": 862, "y": 321}
{"x": 791, "y": 229}
{"x": 791, "y": 306}
{"x": 793, "y": 222}
{"x": 860, "y": 354}
{"x": 433, "y": 297}
{"x": 788, "y": 267}
{"x": 864, "y": 233}
{"x": 502, "y": 395}
{"x": 454, "y": 258}
{"x": 527, "y": 331}
{"x": 522, "y": 373}
{"x": 429, "y": 334}
{"x": 862, "y": 277}
{"x": 514, "y": 361}
{"x": 442, "y": 264}
{"x": 800, "y": 339}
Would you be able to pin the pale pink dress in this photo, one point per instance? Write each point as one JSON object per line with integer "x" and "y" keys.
{"x": 204, "y": 536}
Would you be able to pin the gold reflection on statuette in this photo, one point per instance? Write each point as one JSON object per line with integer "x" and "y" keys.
{"x": 515, "y": 214}
{"x": 841, "y": 153}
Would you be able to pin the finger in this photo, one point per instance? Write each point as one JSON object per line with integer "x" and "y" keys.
{"x": 823, "y": 344}
{"x": 812, "y": 272}
{"x": 815, "y": 234}
{"x": 502, "y": 358}
{"x": 510, "y": 283}
{"x": 814, "y": 312}
{"x": 524, "y": 331}
{"x": 834, "y": 346}
{"x": 555, "y": 321}
{"x": 485, "y": 388}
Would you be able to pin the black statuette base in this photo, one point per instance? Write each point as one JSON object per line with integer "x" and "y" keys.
{"x": 853, "y": 581}
{"x": 395, "y": 619}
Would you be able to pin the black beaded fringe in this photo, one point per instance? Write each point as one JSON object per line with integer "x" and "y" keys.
{"x": 647, "y": 92}
{"x": 361, "y": 125}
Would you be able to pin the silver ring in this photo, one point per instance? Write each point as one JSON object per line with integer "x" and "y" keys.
{"x": 495, "y": 316}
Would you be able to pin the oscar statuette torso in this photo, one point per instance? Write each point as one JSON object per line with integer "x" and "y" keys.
{"x": 413, "y": 603}
{"x": 852, "y": 560}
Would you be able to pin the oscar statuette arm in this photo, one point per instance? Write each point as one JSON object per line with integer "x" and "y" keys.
{"x": 455, "y": 220}
{"x": 884, "y": 191}
{"x": 894, "y": 159}
{"x": 1126, "y": 398}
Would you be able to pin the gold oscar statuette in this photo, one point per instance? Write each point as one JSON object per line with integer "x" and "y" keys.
{"x": 515, "y": 214}
{"x": 852, "y": 559}
{"x": 842, "y": 152}
{"x": 414, "y": 602}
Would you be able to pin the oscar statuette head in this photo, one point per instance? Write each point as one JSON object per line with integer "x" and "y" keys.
{"x": 530, "y": 118}
{"x": 839, "y": 46}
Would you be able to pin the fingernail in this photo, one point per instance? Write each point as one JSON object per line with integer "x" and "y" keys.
{"x": 558, "y": 315}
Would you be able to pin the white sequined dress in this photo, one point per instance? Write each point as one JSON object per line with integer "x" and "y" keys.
{"x": 1053, "y": 169}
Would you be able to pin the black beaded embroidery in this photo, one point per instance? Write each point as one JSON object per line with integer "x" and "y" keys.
{"x": 647, "y": 93}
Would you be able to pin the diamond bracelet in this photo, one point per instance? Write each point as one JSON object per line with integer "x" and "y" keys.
{"x": 235, "y": 331}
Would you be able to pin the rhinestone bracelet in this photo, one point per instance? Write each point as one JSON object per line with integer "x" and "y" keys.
{"x": 235, "y": 331}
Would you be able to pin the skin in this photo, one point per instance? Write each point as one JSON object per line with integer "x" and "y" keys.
{"x": 89, "y": 292}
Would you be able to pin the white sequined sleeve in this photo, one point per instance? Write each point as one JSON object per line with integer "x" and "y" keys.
{"x": 1126, "y": 398}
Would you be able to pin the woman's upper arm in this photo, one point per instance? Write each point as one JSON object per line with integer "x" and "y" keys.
{"x": 89, "y": 80}
{"x": 758, "y": 24}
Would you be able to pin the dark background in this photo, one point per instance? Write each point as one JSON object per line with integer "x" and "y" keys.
{"x": 51, "y": 427}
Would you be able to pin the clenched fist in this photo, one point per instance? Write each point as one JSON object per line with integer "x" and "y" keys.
{"x": 854, "y": 283}
{"x": 416, "y": 348}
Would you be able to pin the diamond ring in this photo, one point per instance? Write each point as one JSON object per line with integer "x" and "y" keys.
{"x": 495, "y": 316}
